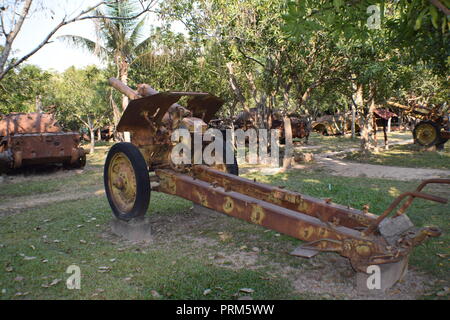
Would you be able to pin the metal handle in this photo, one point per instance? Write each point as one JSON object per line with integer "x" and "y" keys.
{"x": 412, "y": 196}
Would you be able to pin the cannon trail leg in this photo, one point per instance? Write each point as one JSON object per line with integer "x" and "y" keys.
{"x": 365, "y": 239}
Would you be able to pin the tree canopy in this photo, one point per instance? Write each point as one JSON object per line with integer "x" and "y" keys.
{"x": 308, "y": 57}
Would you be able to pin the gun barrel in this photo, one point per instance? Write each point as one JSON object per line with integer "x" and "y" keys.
{"x": 123, "y": 88}
{"x": 144, "y": 90}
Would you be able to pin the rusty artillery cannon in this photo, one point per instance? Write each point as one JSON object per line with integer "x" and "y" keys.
{"x": 333, "y": 125}
{"x": 300, "y": 126}
{"x": 36, "y": 138}
{"x": 364, "y": 238}
{"x": 434, "y": 126}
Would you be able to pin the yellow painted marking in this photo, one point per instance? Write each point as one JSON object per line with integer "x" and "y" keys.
{"x": 258, "y": 214}
{"x": 228, "y": 205}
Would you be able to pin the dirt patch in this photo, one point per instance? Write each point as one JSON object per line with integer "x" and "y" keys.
{"x": 328, "y": 275}
{"x": 29, "y": 174}
{"x": 21, "y": 203}
{"x": 344, "y": 168}
{"x": 353, "y": 169}
{"x": 331, "y": 276}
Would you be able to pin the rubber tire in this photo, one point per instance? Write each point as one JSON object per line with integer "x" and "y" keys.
{"x": 436, "y": 128}
{"x": 231, "y": 168}
{"x": 142, "y": 181}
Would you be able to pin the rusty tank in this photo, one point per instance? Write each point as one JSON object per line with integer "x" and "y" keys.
{"x": 36, "y": 139}
{"x": 301, "y": 127}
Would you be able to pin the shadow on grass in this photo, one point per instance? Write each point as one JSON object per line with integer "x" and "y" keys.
{"x": 378, "y": 194}
{"x": 409, "y": 155}
{"x": 38, "y": 245}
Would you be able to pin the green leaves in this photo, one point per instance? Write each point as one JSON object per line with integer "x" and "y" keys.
{"x": 338, "y": 4}
{"x": 434, "y": 16}
{"x": 80, "y": 93}
{"x": 21, "y": 87}
{"x": 420, "y": 18}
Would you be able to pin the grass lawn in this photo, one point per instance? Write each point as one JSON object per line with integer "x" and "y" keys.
{"x": 321, "y": 144}
{"x": 190, "y": 253}
{"x": 409, "y": 155}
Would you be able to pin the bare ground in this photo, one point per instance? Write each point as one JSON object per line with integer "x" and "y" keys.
{"x": 353, "y": 169}
{"x": 344, "y": 168}
{"x": 21, "y": 203}
{"x": 39, "y": 174}
{"x": 327, "y": 275}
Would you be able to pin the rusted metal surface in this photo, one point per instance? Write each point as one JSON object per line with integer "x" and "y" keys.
{"x": 249, "y": 120}
{"x": 205, "y": 107}
{"x": 324, "y": 210}
{"x": 324, "y": 226}
{"x": 300, "y": 128}
{"x": 23, "y": 123}
{"x": 337, "y": 124}
{"x": 36, "y": 138}
{"x": 410, "y": 198}
{"x": 434, "y": 127}
{"x": 340, "y": 123}
{"x": 384, "y": 114}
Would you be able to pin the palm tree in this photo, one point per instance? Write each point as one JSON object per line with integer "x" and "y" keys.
{"x": 119, "y": 40}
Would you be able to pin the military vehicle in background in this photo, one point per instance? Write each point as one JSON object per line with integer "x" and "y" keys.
{"x": 333, "y": 125}
{"x": 300, "y": 125}
{"x": 433, "y": 128}
{"x": 36, "y": 139}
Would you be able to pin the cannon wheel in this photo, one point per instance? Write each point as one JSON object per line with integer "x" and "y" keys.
{"x": 127, "y": 183}
{"x": 426, "y": 133}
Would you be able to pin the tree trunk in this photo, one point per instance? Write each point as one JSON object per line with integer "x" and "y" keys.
{"x": 287, "y": 89}
{"x": 400, "y": 121}
{"x": 125, "y": 100}
{"x": 118, "y": 136}
{"x": 357, "y": 104}
{"x": 92, "y": 134}
{"x": 288, "y": 144}
{"x": 39, "y": 103}
{"x": 235, "y": 86}
{"x": 366, "y": 143}
{"x": 11, "y": 36}
{"x": 386, "y": 141}
{"x": 353, "y": 121}
{"x": 365, "y": 119}
{"x": 123, "y": 76}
